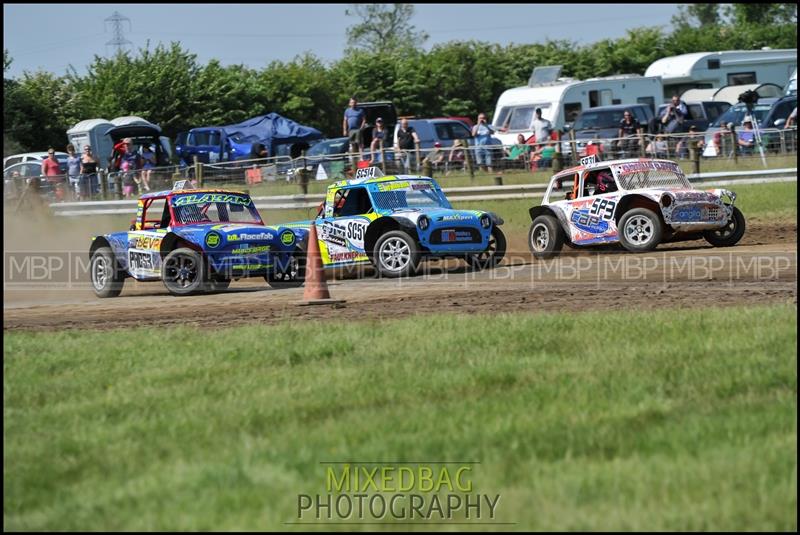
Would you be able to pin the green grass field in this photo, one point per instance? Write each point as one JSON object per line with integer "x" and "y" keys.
{"x": 673, "y": 419}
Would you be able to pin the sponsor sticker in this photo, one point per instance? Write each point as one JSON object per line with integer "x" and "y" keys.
{"x": 213, "y": 239}
{"x": 244, "y": 236}
{"x": 287, "y": 237}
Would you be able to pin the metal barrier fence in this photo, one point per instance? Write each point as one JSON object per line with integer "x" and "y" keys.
{"x": 459, "y": 159}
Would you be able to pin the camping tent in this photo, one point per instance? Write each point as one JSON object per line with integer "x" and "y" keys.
{"x": 271, "y": 130}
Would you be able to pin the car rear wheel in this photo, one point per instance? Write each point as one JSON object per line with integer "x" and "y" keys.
{"x": 183, "y": 272}
{"x": 396, "y": 254}
{"x": 290, "y": 272}
{"x": 640, "y": 230}
{"x": 545, "y": 237}
{"x": 107, "y": 278}
{"x": 730, "y": 234}
{"x": 494, "y": 253}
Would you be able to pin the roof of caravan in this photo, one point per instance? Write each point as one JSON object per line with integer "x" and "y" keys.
{"x": 730, "y": 93}
{"x": 547, "y": 93}
{"x": 682, "y": 66}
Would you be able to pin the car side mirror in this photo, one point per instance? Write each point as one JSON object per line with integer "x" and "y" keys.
{"x": 780, "y": 122}
{"x": 567, "y": 127}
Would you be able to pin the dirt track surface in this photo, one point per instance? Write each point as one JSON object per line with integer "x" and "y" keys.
{"x": 763, "y": 269}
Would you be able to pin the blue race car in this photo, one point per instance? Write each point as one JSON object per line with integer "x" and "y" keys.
{"x": 395, "y": 221}
{"x": 195, "y": 240}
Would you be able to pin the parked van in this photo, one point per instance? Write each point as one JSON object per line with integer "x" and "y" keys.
{"x": 443, "y": 131}
{"x": 791, "y": 87}
{"x": 718, "y": 69}
{"x": 562, "y": 99}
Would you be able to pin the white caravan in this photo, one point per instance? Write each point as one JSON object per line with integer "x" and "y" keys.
{"x": 717, "y": 69}
{"x": 562, "y": 99}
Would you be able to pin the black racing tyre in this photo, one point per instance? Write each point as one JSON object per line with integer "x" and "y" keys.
{"x": 493, "y": 254}
{"x": 106, "y": 276}
{"x": 545, "y": 237}
{"x": 396, "y": 254}
{"x": 290, "y": 272}
{"x": 640, "y": 230}
{"x": 183, "y": 272}
{"x": 730, "y": 234}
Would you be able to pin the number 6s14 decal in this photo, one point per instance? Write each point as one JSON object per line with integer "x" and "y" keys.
{"x": 603, "y": 208}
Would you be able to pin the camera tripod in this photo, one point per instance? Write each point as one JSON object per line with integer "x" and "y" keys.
{"x": 756, "y": 132}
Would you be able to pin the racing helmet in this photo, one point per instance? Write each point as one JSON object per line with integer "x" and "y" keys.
{"x": 605, "y": 180}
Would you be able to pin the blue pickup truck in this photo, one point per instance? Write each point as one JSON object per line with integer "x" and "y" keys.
{"x": 211, "y": 145}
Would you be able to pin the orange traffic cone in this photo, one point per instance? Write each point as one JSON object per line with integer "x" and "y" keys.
{"x": 316, "y": 287}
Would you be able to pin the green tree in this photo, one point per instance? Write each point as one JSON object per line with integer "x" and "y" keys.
{"x": 383, "y": 27}
{"x": 702, "y": 14}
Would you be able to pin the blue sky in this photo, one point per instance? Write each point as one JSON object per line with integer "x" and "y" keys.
{"x": 52, "y": 36}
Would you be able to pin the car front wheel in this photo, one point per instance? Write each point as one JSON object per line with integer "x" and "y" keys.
{"x": 107, "y": 278}
{"x": 545, "y": 237}
{"x": 730, "y": 234}
{"x": 396, "y": 254}
{"x": 640, "y": 230}
{"x": 494, "y": 253}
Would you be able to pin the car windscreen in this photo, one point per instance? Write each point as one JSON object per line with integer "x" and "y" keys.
{"x": 598, "y": 119}
{"x": 333, "y": 146}
{"x": 735, "y": 114}
{"x": 214, "y": 208}
{"x": 203, "y": 139}
{"x": 650, "y": 174}
{"x": 408, "y": 194}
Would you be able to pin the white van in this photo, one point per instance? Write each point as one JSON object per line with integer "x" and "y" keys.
{"x": 562, "y": 99}
{"x": 702, "y": 70}
{"x": 791, "y": 87}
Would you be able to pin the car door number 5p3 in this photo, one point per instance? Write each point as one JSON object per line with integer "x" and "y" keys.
{"x": 603, "y": 208}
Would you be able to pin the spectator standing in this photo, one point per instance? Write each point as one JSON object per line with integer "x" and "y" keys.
{"x": 628, "y": 134}
{"x": 148, "y": 164}
{"x": 88, "y": 173}
{"x": 73, "y": 170}
{"x": 542, "y": 128}
{"x": 405, "y": 144}
{"x": 378, "y": 138}
{"x": 482, "y": 133}
{"x": 355, "y": 119}
{"x": 52, "y": 170}
{"x": 674, "y": 115}
{"x": 130, "y": 164}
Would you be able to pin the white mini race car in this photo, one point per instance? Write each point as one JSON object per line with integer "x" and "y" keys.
{"x": 638, "y": 203}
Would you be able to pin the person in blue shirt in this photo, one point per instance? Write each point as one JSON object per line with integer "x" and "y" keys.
{"x": 355, "y": 119}
{"x": 482, "y": 133}
{"x": 747, "y": 137}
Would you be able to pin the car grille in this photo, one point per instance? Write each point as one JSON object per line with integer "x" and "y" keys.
{"x": 455, "y": 235}
{"x": 713, "y": 213}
